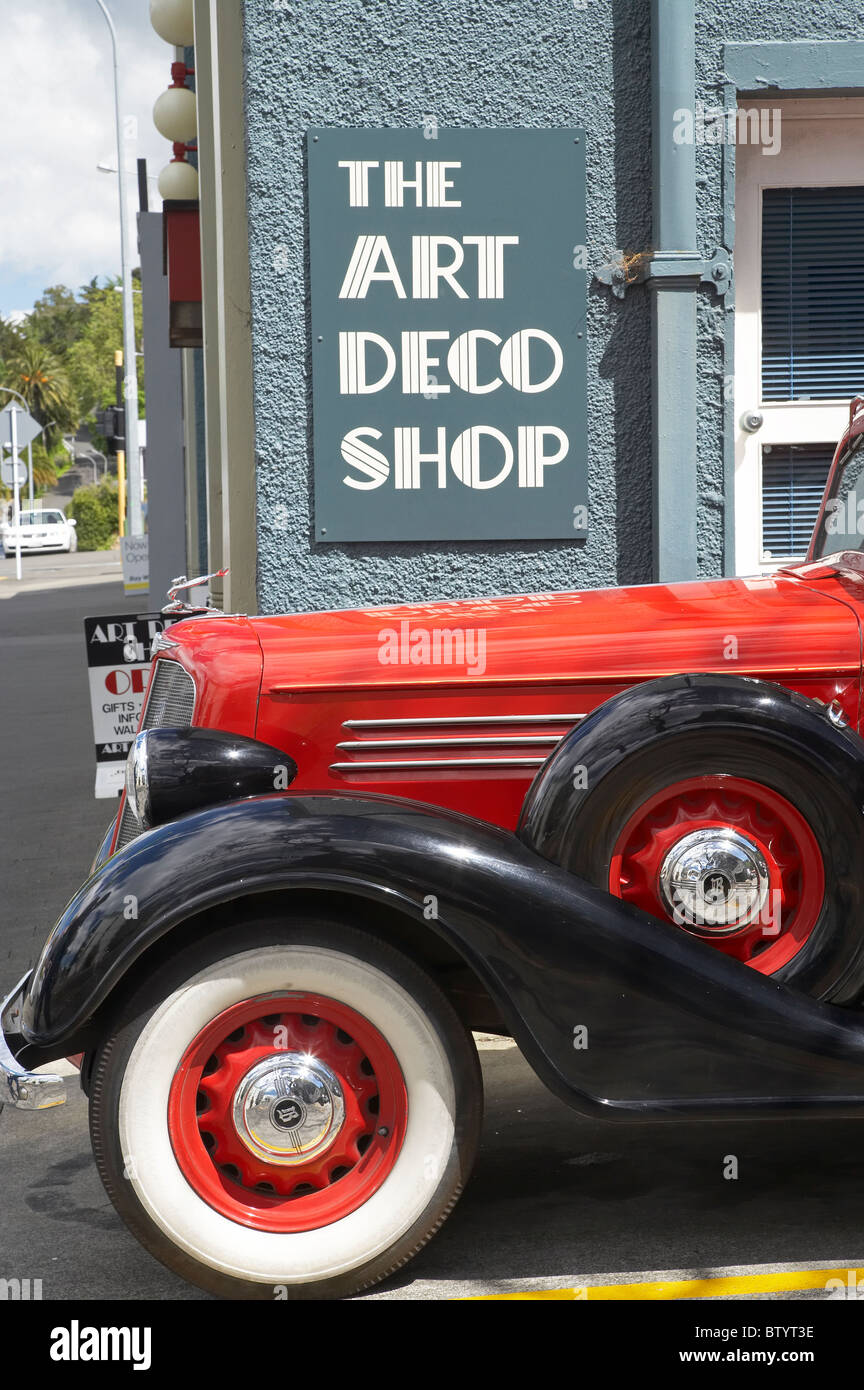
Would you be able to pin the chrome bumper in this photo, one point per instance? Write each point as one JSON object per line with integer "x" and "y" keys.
{"x": 27, "y": 1090}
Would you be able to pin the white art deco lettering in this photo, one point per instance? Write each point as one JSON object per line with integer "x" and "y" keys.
{"x": 433, "y": 363}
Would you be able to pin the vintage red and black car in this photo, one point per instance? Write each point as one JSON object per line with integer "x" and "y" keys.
{"x": 625, "y": 827}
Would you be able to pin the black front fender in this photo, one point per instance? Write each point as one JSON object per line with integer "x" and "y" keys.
{"x": 612, "y": 1008}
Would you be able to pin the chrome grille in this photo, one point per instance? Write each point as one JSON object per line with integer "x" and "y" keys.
{"x": 128, "y": 828}
{"x": 171, "y": 702}
{"x": 170, "y": 705}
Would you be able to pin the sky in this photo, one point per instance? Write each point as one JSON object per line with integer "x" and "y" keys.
{"x": 59, "y": 216}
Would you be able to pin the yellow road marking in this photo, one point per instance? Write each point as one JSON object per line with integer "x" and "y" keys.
{"x": 725, "y": 1286}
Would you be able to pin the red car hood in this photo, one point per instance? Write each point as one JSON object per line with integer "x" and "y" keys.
{"x": 769, "y": 626}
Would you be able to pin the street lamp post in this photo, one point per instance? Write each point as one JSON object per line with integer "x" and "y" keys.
{"x": 93, "y": 456}
{"x": 16, "y": 486}
{"x": 130, "y": 380}
{"x": 16, "y": 494}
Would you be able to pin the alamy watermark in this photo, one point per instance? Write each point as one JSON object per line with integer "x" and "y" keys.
{"x": 410, "y": 645}
{"x": 20, "y": 1290}
{"x": 741, "y": 125}
{"x": 768, "y": 917}
{"x": 77, "y": 1343}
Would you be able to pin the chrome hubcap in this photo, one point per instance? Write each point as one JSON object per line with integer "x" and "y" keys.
{"x": 714, "y": 881}
{"x": 289, "y": 1109}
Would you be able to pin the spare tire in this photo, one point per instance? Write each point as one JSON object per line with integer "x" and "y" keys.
{"x": 730, "y": 808}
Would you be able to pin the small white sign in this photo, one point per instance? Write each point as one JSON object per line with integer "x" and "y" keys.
{"x": 135, "y": 555}
{"x": 110, "y": 780}
{"x": 7, "y": 472}
{"x": 119, "y": 655}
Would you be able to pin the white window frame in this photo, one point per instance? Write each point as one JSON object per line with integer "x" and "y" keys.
{"x": 821, "y": 146}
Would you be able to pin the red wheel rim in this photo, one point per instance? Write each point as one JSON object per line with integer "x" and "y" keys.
{"x": 247, "y": 1188}
{"x": 768, "y": 820}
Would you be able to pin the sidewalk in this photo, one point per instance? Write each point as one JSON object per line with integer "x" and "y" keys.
{"x": 56, "y": 570}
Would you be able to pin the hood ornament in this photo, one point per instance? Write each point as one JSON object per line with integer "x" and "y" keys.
{"x": 189, "y": 610}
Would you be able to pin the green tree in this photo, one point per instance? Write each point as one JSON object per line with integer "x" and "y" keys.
{"x": 37, "y": 375}
{"x": 95, "y": 510}
{"x": 11, "y": 339}
{"x": 90, "y": 360}
{"x": 46, "y": 467}
{"x": 58, "y": 318}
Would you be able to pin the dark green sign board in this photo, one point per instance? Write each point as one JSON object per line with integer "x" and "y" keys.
{"x": 448, "y": 334}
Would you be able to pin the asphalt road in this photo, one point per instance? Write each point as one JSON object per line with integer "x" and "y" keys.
{"x": 50, "y": 823}
{"x": 50, "y": 570}
{"x": 555, "y": 1201}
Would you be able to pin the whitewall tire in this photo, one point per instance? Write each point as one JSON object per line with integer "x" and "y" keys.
{"x": 189, "y": 1094}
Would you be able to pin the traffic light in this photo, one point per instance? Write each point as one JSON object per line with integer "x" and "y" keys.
{"x": 111, "y": 423}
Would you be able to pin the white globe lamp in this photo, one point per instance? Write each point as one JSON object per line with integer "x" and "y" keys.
{"x": 172, "y": 20}
{"x": 178, "y": 180}
{"x": 175, "y": 114}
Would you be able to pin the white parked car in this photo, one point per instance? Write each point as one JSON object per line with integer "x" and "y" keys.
{"x": 41, "y": 529}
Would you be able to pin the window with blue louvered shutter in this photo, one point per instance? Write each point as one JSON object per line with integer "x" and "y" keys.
{"x": 793, "y": 480}
{"x": 812, "y": 293}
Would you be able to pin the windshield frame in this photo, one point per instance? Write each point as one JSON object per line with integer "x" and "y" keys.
{"x": 850, "y": 443}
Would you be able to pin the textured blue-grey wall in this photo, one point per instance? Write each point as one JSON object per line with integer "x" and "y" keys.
{"x": 484, "y": 63}
{"x": 469, "y": 63}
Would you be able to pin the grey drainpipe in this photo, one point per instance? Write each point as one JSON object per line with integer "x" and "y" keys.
{"x": 673, "y": 272}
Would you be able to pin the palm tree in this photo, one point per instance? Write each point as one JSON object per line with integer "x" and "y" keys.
{"x": 37, "y": 375}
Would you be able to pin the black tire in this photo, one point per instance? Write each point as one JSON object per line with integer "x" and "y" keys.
{"x": 430, "y": 1043}
{"x": 829, "y": 965}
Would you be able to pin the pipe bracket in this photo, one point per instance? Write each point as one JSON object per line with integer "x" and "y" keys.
{"x": 683, "y": 268}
